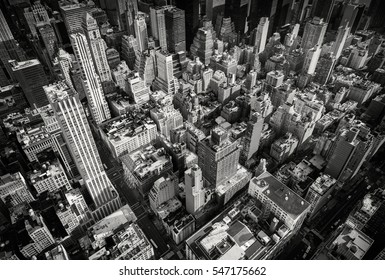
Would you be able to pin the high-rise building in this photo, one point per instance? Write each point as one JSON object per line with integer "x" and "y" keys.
{"x": 77, "y": 133}
{"x": 214, "y": 8}
{"x": 253, "y": 136}
{"x": 195, "y": 194}
{"x": 9, "y": 48}
{"x": 339, "y": 44}
{"x": 141, "y": 32}
{"x": 38, "y": 231}
{"x": 73, "y": 13}
{"x": 348, "y": 153}
{"x": 218, "y": 157}
{"x": 203, "y": 43}
{"x": 91, "y": 81}
{"x": 158, "y": 25}
{"x": 14, "y": 189}
{"x": 48, "y": 36}
{"x": 129, "y": 50}
{"x": 323, "y": 9}
{"x": 137, "y": 89}
{"x": 175, "y": 29}
{"x": 163, "y": 190}
{"x": 31, "y": 78}
{"x": 191, "y": 9}
{"x": 314, "y": 33}
{"x": 98, "y": 51}
{"x": 324, "y": 68}
{"x": 165, "y": 79}
{"x": 311, "y": 60}
{"x": 260, "y": 34}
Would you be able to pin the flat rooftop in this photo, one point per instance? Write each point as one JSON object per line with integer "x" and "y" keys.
{"x": 280, "y": 194}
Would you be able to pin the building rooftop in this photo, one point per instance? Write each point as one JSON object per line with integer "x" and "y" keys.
{"x": 353, "y": 241}
{"x": 24, "y": 64}
{"x": 323, "y": 183}
{"x": 146, "y": 161}
{"x": 58, "y": 91}
{"x": 126, "y": 126}
{"x": 47, "y": 169}
{"x": 280, "y": 194}
{"x": 241, "y": 174}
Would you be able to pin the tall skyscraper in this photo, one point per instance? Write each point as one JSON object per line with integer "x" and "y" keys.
{"x": 141, "y": 32}
{"x": 323, "y": 9}
{"x": 338, "y": 45}
{"x": 176, "y": 30}
{"x": 260, "y": 34}
{"x": 218, "y": 157}
{"x": 129, "y": 50}
{"x": 314, "y": 33}
{"x": 214, "y": 8}
{"x": 73, "y": 12}
{"x": 311, "y": 60}
{"x": 77, "y": 133}
{"x": 252, "y": 137}
{"x": 324, "y": 68}
{"x": 195, "y": 194}
{"x": 238, "y": 10}
{"x": 98, "y": 50}
{"x": 203, "y": 44}
{"x": 158, "y": 25}
{"x": 91, "y": 81}
{"x": 165, "y": 79}
{"x": 191, "y": 9}
{"x": 9, "y": 49}
{"x": 31, "y": 78}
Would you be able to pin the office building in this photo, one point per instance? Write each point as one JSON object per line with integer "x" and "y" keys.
{"x": 324, "y": 68}
{"x": 38, "y": 231}
{"x": 129, "y": 50}
{"x": 141, "y": 32}
{"x": 50, "y": 177}
{"x": 14, "y": 189}
{"x": 319, "y": 193}
{"x": 77, "y": 133}
{"x": 195, "y": 193}
{"x": 164, "y": 189}
{"x": 137, "y": 89}
{"x": 73, "y": 13}
{"x": 165, "y": 79}
{"x": 218, "y": 157}
{"x": 31, "y": 77}
{"x": 250, "y": 141}
{"x": 143, "y": 167}
{"x": 279, "y": 200}
{"x": 283, "y": 147}
{"x": 175, "y": 30}
{"x": 203, "y": 43}
{"x": 340, "y": 41}
{"x": 125, "y": 134}
{"x": 98, "y": 49}
{"x": 158, "y": 25}
{"x": 91, "y": 81}
{"x": 314, "y": 33}
{"x": 9, "y": 48}
{"x": 260, "y": 34}
{"x": 311, "y": 60}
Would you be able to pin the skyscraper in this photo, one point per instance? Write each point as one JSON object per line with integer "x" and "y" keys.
{"x": 252, "y": 137}
{"x": 324, "y": 68}
{"x": 141, "y": 32}
{"x": 9, "y": 49}
{"x": 314, "y": 33}
{"x": 165, "y": 79}
{"x": 311, "y": 60}
{"x": 158, "y": 25}
{"x": 203, "y": 44}
{"x": 195, "y": 194}
{"x": 98, "y": 50}
{"x": 260, "y": 34}
{"x": 218, "y": 157}
{"x": 73, "y": 13}
{"x": 77, "y": 133}
{"x": 91, "y": 81}
{"x": 176, "y": 30}
{"x": 31, "y": 77}
{"x": 338, "y": 45}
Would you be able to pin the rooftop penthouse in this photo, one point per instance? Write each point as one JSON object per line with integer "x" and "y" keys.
{"x": 58, "y": 91}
